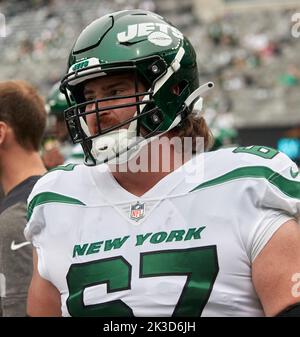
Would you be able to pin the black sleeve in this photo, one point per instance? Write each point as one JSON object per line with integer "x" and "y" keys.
{"x": 15, "y": 260}
{"x": 291, "y": 311}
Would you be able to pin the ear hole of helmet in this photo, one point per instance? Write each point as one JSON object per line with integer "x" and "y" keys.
{"x": 178, "y": 88}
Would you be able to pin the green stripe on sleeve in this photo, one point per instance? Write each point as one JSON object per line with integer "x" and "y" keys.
{"x": 289, "y": 187}
{"x": 49, "y": 197}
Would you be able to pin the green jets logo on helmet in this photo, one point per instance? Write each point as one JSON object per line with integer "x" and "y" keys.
{"x": 80, "y": 65}
{"x": 157, "y": 33}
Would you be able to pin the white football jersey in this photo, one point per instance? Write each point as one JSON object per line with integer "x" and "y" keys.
{"x": 184, "y": 248}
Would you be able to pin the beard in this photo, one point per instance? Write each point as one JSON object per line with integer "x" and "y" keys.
{"x": 108, "y": 121}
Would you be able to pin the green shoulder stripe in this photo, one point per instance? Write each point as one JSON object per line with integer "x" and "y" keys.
{"x": 68, "y": 167}
{"x": 47, "y": 197}
{"x": 289, "y": 187}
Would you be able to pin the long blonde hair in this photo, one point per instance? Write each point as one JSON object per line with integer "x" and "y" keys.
{"x": 195, "y": 126}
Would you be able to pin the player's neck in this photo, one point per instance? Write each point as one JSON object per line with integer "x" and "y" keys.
{"x": 138, "y": 183}
{"x": 143, "y": 172}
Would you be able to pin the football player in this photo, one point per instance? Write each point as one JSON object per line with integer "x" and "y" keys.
{"x": 147, "y": 230}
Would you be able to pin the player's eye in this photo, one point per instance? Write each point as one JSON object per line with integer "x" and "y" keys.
{"x": 89, "y": 98}
{"x": 118, "y": 91}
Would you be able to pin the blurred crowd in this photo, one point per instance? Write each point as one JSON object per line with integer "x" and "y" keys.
{"x": 253, "y": 54}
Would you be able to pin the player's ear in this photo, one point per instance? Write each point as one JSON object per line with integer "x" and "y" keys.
{"x": 3, "y": 132}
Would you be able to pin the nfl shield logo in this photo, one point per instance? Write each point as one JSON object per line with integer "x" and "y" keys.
{"x": 137, "y": 211}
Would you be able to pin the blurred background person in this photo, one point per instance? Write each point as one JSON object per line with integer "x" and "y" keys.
{"x": 57, "y": 146}
{"x": 22, "y": 124}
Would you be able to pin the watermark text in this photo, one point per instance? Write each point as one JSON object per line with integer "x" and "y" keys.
{"x": 295, "y": 31}
{"x": 2, "y": 26}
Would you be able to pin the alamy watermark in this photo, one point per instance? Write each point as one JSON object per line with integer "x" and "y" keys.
{"x": 2, "y": 285}
{"x": 2, "y": 26}
{"x": 295, "y": 31}
{"x": 296, "y": 287}
{"x": 162, "y": 154}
